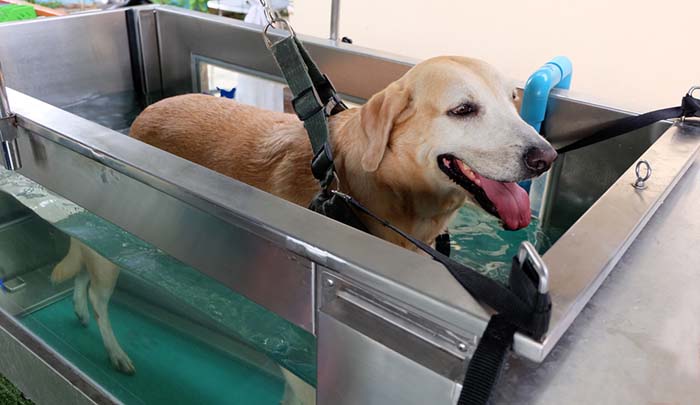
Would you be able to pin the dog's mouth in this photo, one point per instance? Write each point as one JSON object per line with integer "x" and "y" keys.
{"x": 507, "y": 201}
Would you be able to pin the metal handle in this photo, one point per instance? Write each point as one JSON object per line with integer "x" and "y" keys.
{"x": 527, "y": 252}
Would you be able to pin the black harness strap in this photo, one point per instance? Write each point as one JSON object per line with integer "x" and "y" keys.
{"x": 486, "y": 365}
{"x": 690, "y": 107}
{"x": 314, "y": 101}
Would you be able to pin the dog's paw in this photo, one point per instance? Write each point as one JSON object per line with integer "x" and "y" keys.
{"x": 122, "y": 363}
{"x": 83, "y": 315}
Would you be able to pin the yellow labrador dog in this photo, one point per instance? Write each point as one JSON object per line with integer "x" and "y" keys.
{"x": 445, "y": 134}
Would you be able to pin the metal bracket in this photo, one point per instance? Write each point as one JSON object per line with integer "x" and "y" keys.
{"x": 8, "y": 127}
{"x": 528, "y": 252}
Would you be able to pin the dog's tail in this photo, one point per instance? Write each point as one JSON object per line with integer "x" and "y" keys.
{"x": 70, "y": 266}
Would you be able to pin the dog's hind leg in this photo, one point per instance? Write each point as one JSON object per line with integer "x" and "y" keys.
{"x": 103, "y": 278}
{"x": 296, "y": 391}
{"x": 80, "y": 297}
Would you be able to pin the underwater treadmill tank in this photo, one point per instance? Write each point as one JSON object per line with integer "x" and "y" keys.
{"x": 224, "y": 288}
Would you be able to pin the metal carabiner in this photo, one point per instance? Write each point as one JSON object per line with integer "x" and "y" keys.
{"x": 271, "y": 24}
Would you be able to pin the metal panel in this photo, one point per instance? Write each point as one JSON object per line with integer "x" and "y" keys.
{"x": 580, "y": 177}
{"x": 184, "y": 33}
{"x": 395, "y": 325}
{"x": 355, "y": 369}
{"x": 637, "y": 341}
{"x": 40, "y": 372}
{"x": 586, "y": 254}
{"x": 71, "y": 57}
{"x": 144, "y": 45}
{"x": 240, "y": 260}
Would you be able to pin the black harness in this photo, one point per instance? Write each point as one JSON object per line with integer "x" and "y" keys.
{"x": 524, "y": 305}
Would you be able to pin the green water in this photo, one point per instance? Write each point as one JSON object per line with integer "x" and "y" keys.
{"x": 478, "y": 240}
{"x": 171, "y": 368}
{"x": 290, "y": 346}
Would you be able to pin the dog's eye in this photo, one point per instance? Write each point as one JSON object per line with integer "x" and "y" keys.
{"x": 463, "y": 110}
{"x": 515, "y": 95}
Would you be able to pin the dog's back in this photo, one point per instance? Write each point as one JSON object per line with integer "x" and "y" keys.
{"x": 268, "y": 150}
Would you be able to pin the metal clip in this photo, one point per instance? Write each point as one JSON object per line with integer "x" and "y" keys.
{"x": 271, "y": 24}
{"x": 640, "y": 183}
{"x": 528, "y": 252}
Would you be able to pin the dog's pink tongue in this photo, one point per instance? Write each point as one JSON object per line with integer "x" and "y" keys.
{"x": 511, "y": 201}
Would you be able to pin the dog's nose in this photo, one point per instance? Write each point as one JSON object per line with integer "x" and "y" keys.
{"x": 539, "y": 160}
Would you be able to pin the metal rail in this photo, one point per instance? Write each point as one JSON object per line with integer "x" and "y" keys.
{"x": 335, "y": 19}
{"x": 8, "y": 130}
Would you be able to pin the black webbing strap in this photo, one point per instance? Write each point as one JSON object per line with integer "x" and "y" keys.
{"x": 314, "y": 101}
{"x": 486, "y": 365}
{"x": 690, "y": 107}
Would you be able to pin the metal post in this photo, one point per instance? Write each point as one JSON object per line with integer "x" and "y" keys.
{"x": 335, "y": 19}
{"x": 8, "y": 130}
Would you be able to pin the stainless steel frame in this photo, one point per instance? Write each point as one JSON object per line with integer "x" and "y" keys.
{"x": 328, "y": 278}
{"x": 335, "y": 20}
{"x": 41, "y": 371}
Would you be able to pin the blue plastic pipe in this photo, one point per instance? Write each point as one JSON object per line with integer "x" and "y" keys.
{"x": 554, "y": 74}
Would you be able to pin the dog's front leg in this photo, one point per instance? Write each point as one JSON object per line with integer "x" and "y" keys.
{"x": 102, "y": 281}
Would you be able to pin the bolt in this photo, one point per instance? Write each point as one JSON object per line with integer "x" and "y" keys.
{"x": 462, "y": 347}
{"x": 330, "y": 282}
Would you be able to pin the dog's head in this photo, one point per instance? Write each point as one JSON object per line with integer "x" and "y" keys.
{"x": 450, "y": 127}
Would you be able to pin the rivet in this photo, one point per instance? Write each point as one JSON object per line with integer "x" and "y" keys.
{"x": 330, "y": 282}
{"x": 462, "y": 347}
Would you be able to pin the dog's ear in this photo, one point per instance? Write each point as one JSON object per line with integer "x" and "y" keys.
{"x": 377, "y": 118}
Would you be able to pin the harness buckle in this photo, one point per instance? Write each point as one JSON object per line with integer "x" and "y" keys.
{"x": 322, "y": 165}
{"x": 307, "y": 103}
{"x": 334, "y": 104}
{"x": 690, "y": 106}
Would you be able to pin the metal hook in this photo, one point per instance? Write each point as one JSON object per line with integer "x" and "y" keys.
{"x": 640, "y": 184}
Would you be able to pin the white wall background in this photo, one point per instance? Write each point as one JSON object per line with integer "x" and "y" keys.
{"x": 634, "y": 54}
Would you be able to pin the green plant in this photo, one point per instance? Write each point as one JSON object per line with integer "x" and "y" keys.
{"x": 10, "y": 395}
{"x": 199, "y": 5}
